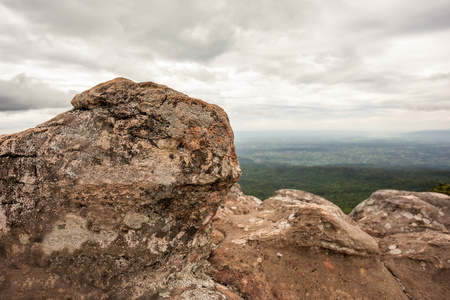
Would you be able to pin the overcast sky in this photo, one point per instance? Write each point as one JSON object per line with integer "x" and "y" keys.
{"x": 272, "y": 65}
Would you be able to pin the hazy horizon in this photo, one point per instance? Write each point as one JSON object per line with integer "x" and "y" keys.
{"x": 264, "y": 132}
{"x": 325, "y": 136}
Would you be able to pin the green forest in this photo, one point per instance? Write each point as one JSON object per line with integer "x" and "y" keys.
{"x": 344, "y": 186}
{"x": 343, "y": 167}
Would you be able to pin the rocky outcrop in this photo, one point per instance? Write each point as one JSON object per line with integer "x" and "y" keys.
{"x": 295, "y": 245}
{"x": 114, "y": 198}
{"x": 412, "y": 232}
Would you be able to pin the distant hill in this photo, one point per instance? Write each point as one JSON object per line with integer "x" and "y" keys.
{"x": 428, "y": 136}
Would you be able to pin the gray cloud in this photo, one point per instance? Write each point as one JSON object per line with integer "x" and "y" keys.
{"x": 286, "y": 58}
{"x": 439, "y": 76}
{"x": 172, "y": 29}
{"x": 23, "y": 92}
{"x": 67, "y": 18}
{"x": 423, "y": 17}
{"x": 430, "y": 107}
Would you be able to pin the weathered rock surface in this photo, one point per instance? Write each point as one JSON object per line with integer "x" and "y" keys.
{"x": 113, "y": 199}
{"x": 296, "y": 245}
{"x": 412, "y": 233}
{"x": 388, "y": 212}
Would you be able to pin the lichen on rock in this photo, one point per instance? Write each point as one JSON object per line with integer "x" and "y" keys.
{"x": 113, "y": 199}
{"x": 412, "y": 233}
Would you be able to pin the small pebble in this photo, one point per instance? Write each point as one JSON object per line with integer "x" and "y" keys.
{"x": 395, "y": 251}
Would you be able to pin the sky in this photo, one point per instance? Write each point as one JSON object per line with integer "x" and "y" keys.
{"x": 373, "y": 65}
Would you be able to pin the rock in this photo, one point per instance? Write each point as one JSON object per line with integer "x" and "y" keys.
{"x": 388, "y": 212}
{"x": 237, "y": 203}
{"x": 114, "y": 198}
{"x": 412, "y": 233}
{"x": 296, "y": 245}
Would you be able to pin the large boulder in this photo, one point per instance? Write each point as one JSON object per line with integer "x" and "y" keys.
{"x": 114, "y": 198}
{"x": 388, "y": 212}
{"x": 295, "y": 245}
{"x": 412, "y": 232}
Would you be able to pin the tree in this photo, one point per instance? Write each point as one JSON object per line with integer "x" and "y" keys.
{"x": 441, "y": 188}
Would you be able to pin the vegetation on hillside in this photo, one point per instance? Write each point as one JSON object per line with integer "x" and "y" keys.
{"x": 340, "y": 166}
{"x": 344, "y": 186}
{"x": 441, "y": 188}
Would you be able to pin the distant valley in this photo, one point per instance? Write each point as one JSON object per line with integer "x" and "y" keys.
{"x": 343, "y": 167}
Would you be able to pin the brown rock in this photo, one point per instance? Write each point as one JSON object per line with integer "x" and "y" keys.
{"x": 413, "y": 238}
{"x": 114, "y": 198}
{"x": 297, "y": 245}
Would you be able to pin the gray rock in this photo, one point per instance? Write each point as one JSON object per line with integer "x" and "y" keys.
{"x": 412, "y": 233}
{"x": 388, "y": 212}
{"x": 114, "y": 198}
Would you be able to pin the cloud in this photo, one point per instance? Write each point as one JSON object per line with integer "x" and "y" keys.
{"x": 171, "y": 29}
{"x": 15, "y": 121}
{"x": 23, "y": 92}
{"x": 422, "y": 17}
{"x": 294, "y": 60}
{"x": 67, "y": 18}
{"x": 439, "y": 76}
